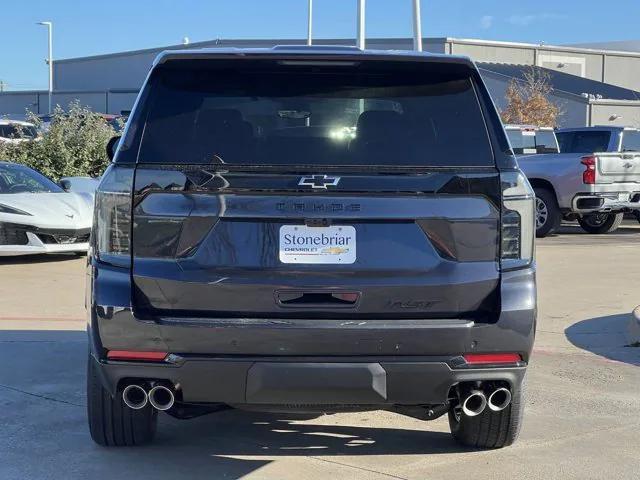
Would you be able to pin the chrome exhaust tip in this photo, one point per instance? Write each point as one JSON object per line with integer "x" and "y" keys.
{"x": 161, "y": 398}
{"x": 134, "y": 397}
{"x": 499, "y": 399}
{"x": 474, "y": 404}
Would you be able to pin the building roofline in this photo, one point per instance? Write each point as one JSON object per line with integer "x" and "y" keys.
{"x": 560, "y": 48}
{"x": 556, "y": 91}
{"x": 613, "y": 101}
{"x": 351, "y": 42}
{"x": 250, "y": 42}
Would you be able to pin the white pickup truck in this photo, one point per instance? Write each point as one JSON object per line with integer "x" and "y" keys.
{"x": 594, "y": 179}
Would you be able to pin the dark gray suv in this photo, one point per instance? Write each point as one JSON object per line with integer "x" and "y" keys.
{"x": 311, "y": 229}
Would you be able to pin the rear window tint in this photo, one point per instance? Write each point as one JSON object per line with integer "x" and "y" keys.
{"x": 263, "y": 113}
{"x": 631, "y": 141}
{"x": 546, "y": 142}
{"x": 529, "y": 141}
{"x": 584, "y": 141}
{"x": 521, "y": 142}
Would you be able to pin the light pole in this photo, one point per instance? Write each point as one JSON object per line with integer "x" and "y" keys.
{"x": 310, "y": 23}
{"x": 417, "y": 26}
{"x": 361, "y": 23}
{"x": 49, "y": 26}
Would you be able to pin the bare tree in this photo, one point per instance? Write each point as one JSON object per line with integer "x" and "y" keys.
{"x": 528, "y": 100}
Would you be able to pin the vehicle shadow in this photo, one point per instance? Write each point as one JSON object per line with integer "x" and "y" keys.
{"x": 627, "y": 228}
{"x": 605, "y": 336}
{"x": 233, "y": 443}
{"x": 43, "y": 397}
{"x": 270, "y": 434}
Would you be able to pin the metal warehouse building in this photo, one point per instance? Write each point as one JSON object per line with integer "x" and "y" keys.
{"x": 592, "y": 86}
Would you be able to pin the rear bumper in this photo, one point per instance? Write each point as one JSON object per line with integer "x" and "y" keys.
{"x": 606, "y": 202}
{"x": 269, "y": 361}
{"x": 329, "y": 383}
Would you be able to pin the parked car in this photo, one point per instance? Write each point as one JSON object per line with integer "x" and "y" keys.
{"x": 529, "y": 139}
{"x": 115, "y": 121}
{"x": 245, "y": 255}
{"x": 14, "y": 131}
{"x": 594, "y": 179}
{"x": 86, "y": 185}
{"x": 38, "y": 216}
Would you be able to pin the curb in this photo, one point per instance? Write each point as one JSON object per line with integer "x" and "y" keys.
{"x": 633, "y": 330}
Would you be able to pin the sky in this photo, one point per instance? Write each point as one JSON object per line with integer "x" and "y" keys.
{"x": 90, "y": 27}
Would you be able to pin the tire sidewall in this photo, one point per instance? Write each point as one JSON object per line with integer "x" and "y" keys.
{"x": 610, "y": 224}
{"x": 553, "y": 212}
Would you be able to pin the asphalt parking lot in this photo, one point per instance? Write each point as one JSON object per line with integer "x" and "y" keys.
{"x": 581, "y": 418}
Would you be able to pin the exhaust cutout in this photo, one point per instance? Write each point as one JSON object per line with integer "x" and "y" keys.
{"x": 161, "y": 398}
{"x": 474, "y": 404}
{"x": 135, "y": 397}
{"x": 499, "y": 399}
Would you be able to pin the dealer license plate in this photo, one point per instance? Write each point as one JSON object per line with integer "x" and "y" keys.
{"x": 331, "y": 245}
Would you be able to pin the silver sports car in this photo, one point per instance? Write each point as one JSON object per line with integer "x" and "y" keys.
{"x": 38, "y": 216}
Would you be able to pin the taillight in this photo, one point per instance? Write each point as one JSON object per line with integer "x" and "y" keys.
{"x": 589, "y": 174}
{"x": 112, "y": 222}
{"x": 517, "y": 223}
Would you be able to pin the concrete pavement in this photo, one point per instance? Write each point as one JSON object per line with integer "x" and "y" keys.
{"x": 581, "y": 419}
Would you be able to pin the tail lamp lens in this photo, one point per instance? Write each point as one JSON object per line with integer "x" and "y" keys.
{"x": 589, "y": 174}
{"x": 517, "y": 229}
{"x": 112, "y": 223}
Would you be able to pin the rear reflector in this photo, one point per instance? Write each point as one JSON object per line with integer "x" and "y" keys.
{"x": 136, "y": 356}
{"x": 491, "y": 358}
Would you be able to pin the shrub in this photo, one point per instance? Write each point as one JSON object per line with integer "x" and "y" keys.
{"x": 73, "y": 145}
{"x": 528, "y": 102}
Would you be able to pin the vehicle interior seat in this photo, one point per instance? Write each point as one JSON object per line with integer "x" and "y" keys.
{"x": 223, "y": 133}
{"x": 379, "y": 134}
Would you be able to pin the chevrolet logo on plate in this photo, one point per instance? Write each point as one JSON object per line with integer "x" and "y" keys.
{"x": 319, "y": 181}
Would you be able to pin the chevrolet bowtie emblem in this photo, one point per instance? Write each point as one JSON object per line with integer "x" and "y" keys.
{"x": 319, "y": 181}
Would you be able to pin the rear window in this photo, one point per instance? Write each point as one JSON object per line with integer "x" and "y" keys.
{"x": 631, "y": 141}
{"x": 522, "y": 142}
{"x": 546, "y": 142}
{"x": 584, "y": 141}
{"x": 530, "y": 141}
{"x": 291, "y": 113}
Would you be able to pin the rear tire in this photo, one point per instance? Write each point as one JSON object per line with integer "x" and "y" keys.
{"x": 111, "y": 422}
{"x": 490, "y": 429}
{"x": 599, "y": 223}
{"x": 548, "y": 215}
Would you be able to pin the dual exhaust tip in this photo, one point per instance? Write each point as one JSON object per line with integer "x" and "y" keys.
{"x": 476, "y": 401}
{"x": 160, "y": 397}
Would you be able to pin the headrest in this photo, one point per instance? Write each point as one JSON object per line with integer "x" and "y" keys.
{"x": 378, "y": 122}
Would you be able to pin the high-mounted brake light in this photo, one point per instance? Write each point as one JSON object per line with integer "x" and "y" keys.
{"x": 589, "y": 175}
{"x": 491, "y": 358}
{"x": 133, "y": 356}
